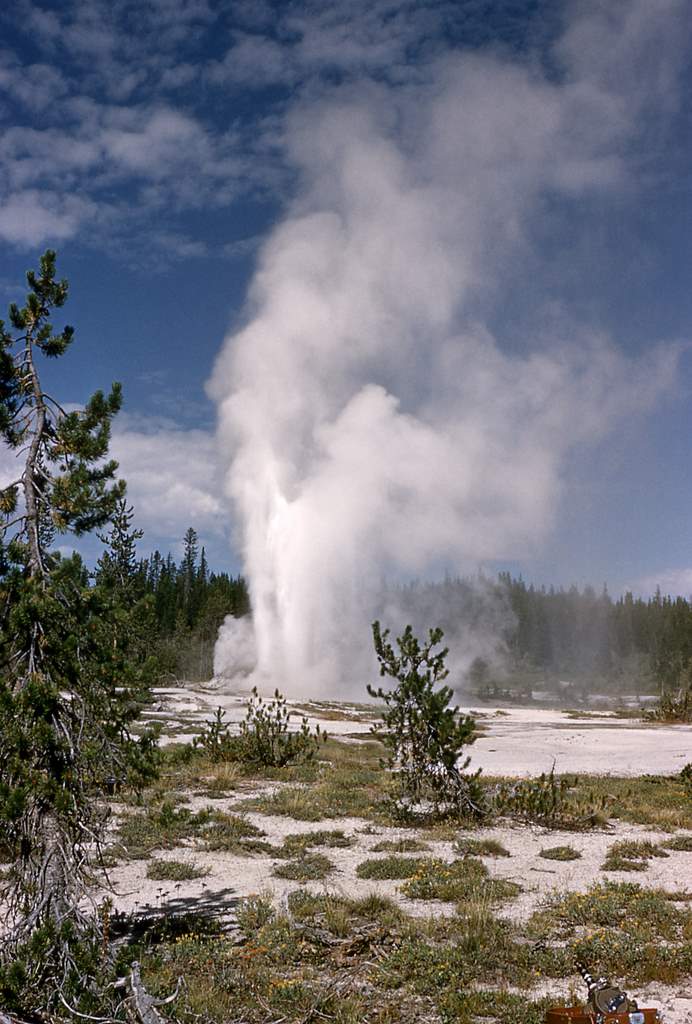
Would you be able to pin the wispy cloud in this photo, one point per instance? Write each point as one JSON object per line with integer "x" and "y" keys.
{"x": 114, "y": 106}
{"x": 124, "y": 108}
{"x": 32, "y": 216}
{"x": 90, "y": 128}
{"x": 670, "y": 582}
{"x": 172, "y": 477}
{"x": 173, "y": 481}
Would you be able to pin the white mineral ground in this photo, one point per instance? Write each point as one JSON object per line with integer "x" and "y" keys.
{"x": 517, "y": 742}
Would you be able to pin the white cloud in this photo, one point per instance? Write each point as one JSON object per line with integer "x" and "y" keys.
{"x": 91, "y": 120}
{"x": 173, "y": 478}
{"x": 355, "y": 39}
{"x": 179, "y": 76}
{"x": 37, "y": 86}
{"x": 255, "y": 61}
{"x": 670, "y": 582}
{"x": 31, "y": 217}
{"x": 58, "y": 181}
{"x": 180, "y": 246}
{"x": 10, "y": 466}
{"x": 173, "y": 482}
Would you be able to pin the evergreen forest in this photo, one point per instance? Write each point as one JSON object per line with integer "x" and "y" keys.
{"x": 563, "y": 642}
{"x": 183, "y": 603}
{"x": 568, "y": 642}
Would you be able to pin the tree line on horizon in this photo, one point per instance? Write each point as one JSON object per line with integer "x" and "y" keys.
{"x": 182, "y": 604}
{"x": 590, "y": 637}
{"x": 548, "y": 637}
{"x": 563, "y": 639}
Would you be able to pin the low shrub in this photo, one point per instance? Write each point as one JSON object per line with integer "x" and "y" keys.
{"x": 215, "y": 740}
{"x": 175, "y": 870}
{"x": 306, "y": 868}
{"x": 559, "y": 853}
{"x": 459, "y": 881}
{"x": 675, "y": 706}
{"x": 552, "y": 801}
{"x": 264, "y": 738}
{"x": 467, "y": 847}
{"x": 384, "y": 868}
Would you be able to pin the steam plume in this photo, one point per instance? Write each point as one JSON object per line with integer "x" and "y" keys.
{"x": 374, "y": 426}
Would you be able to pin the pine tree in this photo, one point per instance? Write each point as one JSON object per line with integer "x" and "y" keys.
{"x": 117, "y": 566}
{"x": 130, "y": 622}
{"x": 424, "y": 736}
{"x": 66, "y": 691}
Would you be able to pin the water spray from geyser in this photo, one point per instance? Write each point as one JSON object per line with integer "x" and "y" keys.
{"x": 374, "y": 428}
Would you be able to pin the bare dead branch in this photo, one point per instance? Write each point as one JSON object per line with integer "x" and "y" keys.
{"x": 144, "y": 1004}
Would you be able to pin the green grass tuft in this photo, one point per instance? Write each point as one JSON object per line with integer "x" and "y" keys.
{"x": 462, "y": 881}
{"x": 295, "y": 844}
{"x": 307, "y": 868}
{"x": 465, "y": 847}
{"x": 403, "y": 845}
{"x": 634, "y": 909}
{"x": 631, "y": 855}
{"x": 175, "y": 870}
{"x": 394, "y": 866}
{"x": 560, "y": 853}
{"x": 680, "y": 843}
{"x": 166, "y": 827}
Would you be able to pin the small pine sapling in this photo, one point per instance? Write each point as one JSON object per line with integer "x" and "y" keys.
{"x": 424, "y": 736}
{"x": 265, "y": 737}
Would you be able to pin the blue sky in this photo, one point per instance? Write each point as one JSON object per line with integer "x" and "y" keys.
{"x": 158, "y": 144}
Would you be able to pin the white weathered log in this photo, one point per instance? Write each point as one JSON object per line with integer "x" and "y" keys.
{"x": 145, "y": 1005}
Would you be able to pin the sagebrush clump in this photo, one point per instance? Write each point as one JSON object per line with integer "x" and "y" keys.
{"x": 551, "y": 801}
{"x": 264, "y": 738}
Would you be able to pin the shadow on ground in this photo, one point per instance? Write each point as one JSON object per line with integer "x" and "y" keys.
{"x": 207, "y": 913}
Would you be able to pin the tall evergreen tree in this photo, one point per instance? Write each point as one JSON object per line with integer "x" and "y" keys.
{"x": 65, "y": 688}
{"x": 117, "y": 566}
{"x": 188, "y": 576}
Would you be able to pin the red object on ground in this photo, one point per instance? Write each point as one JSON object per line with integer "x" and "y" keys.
{"x": 580, "y": 1015}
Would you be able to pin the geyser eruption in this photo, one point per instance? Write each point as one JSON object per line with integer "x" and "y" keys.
{"x": 375, "y": 428}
